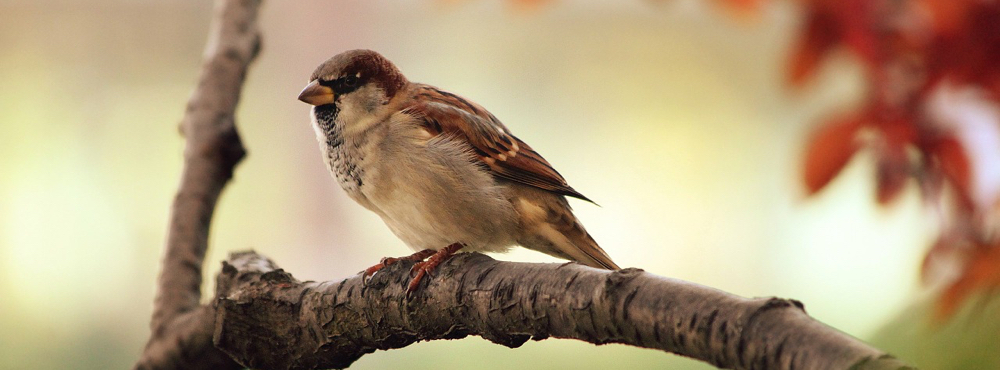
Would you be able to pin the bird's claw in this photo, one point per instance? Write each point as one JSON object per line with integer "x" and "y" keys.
{"x": 370, "y": 272}
{"x": 419, "y": 270}
{"x": 424, "y": 268}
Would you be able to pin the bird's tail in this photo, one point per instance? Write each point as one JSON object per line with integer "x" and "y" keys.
{"x": 553, "y": 229}
{"x": 577, "y": 243}
{"x": 589, "y": 253}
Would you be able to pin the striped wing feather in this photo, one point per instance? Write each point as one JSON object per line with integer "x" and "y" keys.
{"x": 504, "y": 154}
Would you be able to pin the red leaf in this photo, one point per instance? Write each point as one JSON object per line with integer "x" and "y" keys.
{"x": 829, "y": 150}
{"x": 981, "y": 270}
{"x": 861, "y": 34}
{"x": 967, "y": 46}
{"x": 947, "y": 15}
{"x": 897, "y": 127}
{"x": 820, "y": 35}
{"x": 954, "y": 164}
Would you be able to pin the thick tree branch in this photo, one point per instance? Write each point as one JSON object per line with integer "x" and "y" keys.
{"x": 213, "y": 149}
{"x": 262, "y": 317}
{"x": 272, "y": 321}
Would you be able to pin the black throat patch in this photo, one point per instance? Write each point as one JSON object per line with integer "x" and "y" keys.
{"x": 326, "y": 116}
{"x": 343, "y": 160}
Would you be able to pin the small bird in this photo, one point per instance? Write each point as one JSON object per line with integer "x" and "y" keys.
{"x": 441, "y": 171}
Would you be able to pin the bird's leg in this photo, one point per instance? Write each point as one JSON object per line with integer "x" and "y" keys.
{"x": 388, "y": 261}
{"x": 423, "y": 268}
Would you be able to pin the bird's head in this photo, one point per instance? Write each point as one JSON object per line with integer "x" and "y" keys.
{"x": 353, "y": 84}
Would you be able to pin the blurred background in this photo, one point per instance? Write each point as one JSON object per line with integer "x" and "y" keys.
{"x": 675, "y": 116}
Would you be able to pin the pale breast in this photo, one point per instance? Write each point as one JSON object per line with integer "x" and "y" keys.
{"x": 429, "y": 191}
{"x": 431, "y": 194}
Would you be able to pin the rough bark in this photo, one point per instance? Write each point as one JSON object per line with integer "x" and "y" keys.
{"x": 264, "y": 318}
{"x": 272, "y": 321}
{"x": 213, "y": 149}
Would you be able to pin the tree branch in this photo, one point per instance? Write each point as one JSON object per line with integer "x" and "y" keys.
{"x": 272, "y": 321}
{"x": 212, "y": 152}
{"x": 263, "y": 317}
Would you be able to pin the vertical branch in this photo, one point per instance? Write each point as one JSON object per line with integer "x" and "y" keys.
{"x": 212, "y": 151}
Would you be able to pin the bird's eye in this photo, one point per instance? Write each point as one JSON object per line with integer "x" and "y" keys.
{"x": 350, "y": 81}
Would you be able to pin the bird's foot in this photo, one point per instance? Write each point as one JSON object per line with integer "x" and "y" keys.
{"x": 388, "y": 261}
{"x": 423, "y": 268}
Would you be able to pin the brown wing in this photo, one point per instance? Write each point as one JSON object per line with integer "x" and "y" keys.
{"x": 506, "y": 156}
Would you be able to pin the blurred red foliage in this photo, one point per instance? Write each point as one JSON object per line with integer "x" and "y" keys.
{"x": 912, "y": 51}
{"x": 829, "y": 150}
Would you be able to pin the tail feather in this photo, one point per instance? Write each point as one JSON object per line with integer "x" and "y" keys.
{"x": 592, "y": 254}
{"x": 551, "y": 228}
{"x": 577, "y": 242}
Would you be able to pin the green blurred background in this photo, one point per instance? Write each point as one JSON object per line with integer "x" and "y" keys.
{"x": 672, "y": 115}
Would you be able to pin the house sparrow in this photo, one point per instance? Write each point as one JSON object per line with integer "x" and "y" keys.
{"x": 441, "y": 171}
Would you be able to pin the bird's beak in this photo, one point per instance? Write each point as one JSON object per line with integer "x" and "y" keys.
{"x": 317, "y": 94}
